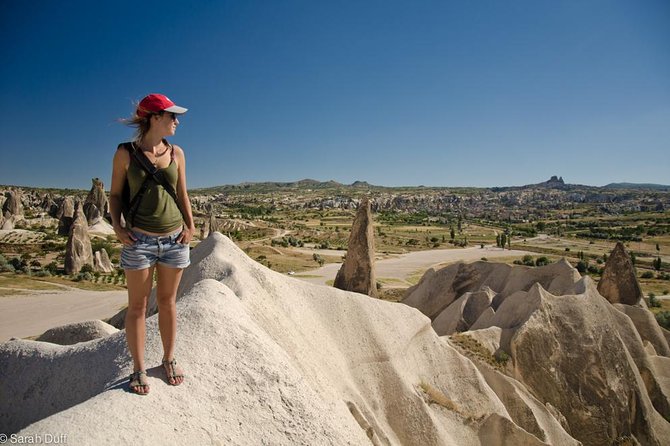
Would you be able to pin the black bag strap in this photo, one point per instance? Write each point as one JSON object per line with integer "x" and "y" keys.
{"x": 155, "y": 173}
{"x": 137, "y": 198}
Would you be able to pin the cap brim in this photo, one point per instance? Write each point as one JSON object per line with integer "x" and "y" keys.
{"x": 176, "y": 109}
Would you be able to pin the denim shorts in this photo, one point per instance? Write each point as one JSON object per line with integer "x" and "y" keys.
{"x": 151, "y": 249}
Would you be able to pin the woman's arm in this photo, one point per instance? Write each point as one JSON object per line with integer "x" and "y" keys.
{"x": 182, "y": 196}
{"x": 119, "y": 168}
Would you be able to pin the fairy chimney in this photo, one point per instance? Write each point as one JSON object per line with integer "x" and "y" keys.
{"x": 78, "y": 248}
{"x": 96, "y": 205}
{"x": 213, "y": 225}
{"x": 48, "y": 205}
{"x": 12, "y": 204}
{"x": 357, "y": 272}
{"x": 619, "y": 283}
{"x": 102, "y": 262}
{"x": 65, "y": 216}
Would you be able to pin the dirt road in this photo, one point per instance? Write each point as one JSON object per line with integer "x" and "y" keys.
{"x": 402, "y": 267}
{"x": 30, "y": 315}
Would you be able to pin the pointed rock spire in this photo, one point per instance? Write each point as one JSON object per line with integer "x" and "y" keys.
{"x": 357, "y": 272}
{"x": 78, "y": 250}
{"x": 12, "y": 204}
{"x": 619, "y": 283}
{"x": 96, "y": 205}
{"x": 65, "y": 216}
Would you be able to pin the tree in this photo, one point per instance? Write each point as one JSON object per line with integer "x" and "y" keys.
{"x": 452, "y": 233}
{"x": 582, "y": 266}
{"x": 52, "y": 267}
{"x": 663, "y": 318}
{"x": 541, "y": 261}
{"x": 503, "y": 240}
{"x": 657, "y": 264}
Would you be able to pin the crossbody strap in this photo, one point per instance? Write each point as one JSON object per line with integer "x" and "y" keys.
{"x": 137, "y": 198}
{"x": 155, "y": 173}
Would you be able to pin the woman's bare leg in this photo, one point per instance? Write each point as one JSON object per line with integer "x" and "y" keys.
{"x": 166, "y": 296}
{"x": 139, "y": 287}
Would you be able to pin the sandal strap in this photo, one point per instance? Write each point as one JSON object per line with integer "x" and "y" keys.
{"x": 172, "y": 368}
{"x": 137, "y": 377}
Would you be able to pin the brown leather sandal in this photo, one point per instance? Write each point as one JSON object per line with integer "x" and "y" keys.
{"x": 171, "y": 371}
{"x": 137, "y": 380}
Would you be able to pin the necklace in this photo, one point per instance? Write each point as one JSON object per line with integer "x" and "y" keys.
{"x": 154, "y": 156}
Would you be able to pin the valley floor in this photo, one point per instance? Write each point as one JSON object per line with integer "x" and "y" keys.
{"x": 31, "y": 315}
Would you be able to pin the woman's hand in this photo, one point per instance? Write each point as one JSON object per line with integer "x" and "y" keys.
{"x": 186, "y": 235}
{"x": 125, "y": 236}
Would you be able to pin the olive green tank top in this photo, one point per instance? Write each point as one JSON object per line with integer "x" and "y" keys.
{"x": 157, "y": 211}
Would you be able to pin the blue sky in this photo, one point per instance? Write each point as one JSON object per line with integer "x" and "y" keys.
{"x": 435, "y": 93}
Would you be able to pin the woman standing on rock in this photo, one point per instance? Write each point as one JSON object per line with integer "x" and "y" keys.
{"x": 159, "y": 226}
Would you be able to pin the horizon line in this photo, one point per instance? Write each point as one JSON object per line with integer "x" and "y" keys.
{"x": 350, "y": 184}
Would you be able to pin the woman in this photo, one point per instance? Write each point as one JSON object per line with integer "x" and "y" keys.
{"x": 159, "y": 231}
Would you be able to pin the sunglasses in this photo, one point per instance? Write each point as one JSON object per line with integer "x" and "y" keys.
{"x": 173, "y": 116}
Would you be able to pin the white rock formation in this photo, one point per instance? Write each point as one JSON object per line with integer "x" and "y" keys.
{"x": 269, "y": 360}
{"x": 102, "y": 227}
{"x": 570, "y": 349}
{"x": 78, "y": 250}
{"x": 78, "y": 332}
{"x": 101, "y": 262}
{"x": 436, "y": 290}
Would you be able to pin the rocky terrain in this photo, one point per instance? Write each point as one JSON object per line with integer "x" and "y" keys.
{"x": 540, "y": 358}
{"x": 528, "y": 202}
{"x": 601, "y": 365}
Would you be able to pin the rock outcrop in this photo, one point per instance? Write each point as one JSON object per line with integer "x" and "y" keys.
{"x": 269, "y": 359}
{"x": 78, "y": 332}
{"x": 102, "y": 227}
{"x": 78, "y": 250}
{"x": 568, "y": 348}
{"x": 96, "y": 206}
{"x": 437, "y": 290}
{"x": 65, "y": 215}
{"x": 101, "y": 262}
{"x": 7, "y": 223}
{"x": 213, "y": 226}
{"x": 12, "y": 205}
{"x": 357, "y": 273}
{"x": 48, "y": 205}
{"x": 619, "y": 282}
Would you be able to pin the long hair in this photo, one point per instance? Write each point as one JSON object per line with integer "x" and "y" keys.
{"x": 141, "y": 124}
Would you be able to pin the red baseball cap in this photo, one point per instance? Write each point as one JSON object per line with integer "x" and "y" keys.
{"x": 155, "y": 103}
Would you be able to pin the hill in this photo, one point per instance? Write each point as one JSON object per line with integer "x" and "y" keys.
{"x": 638, "y": 186}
